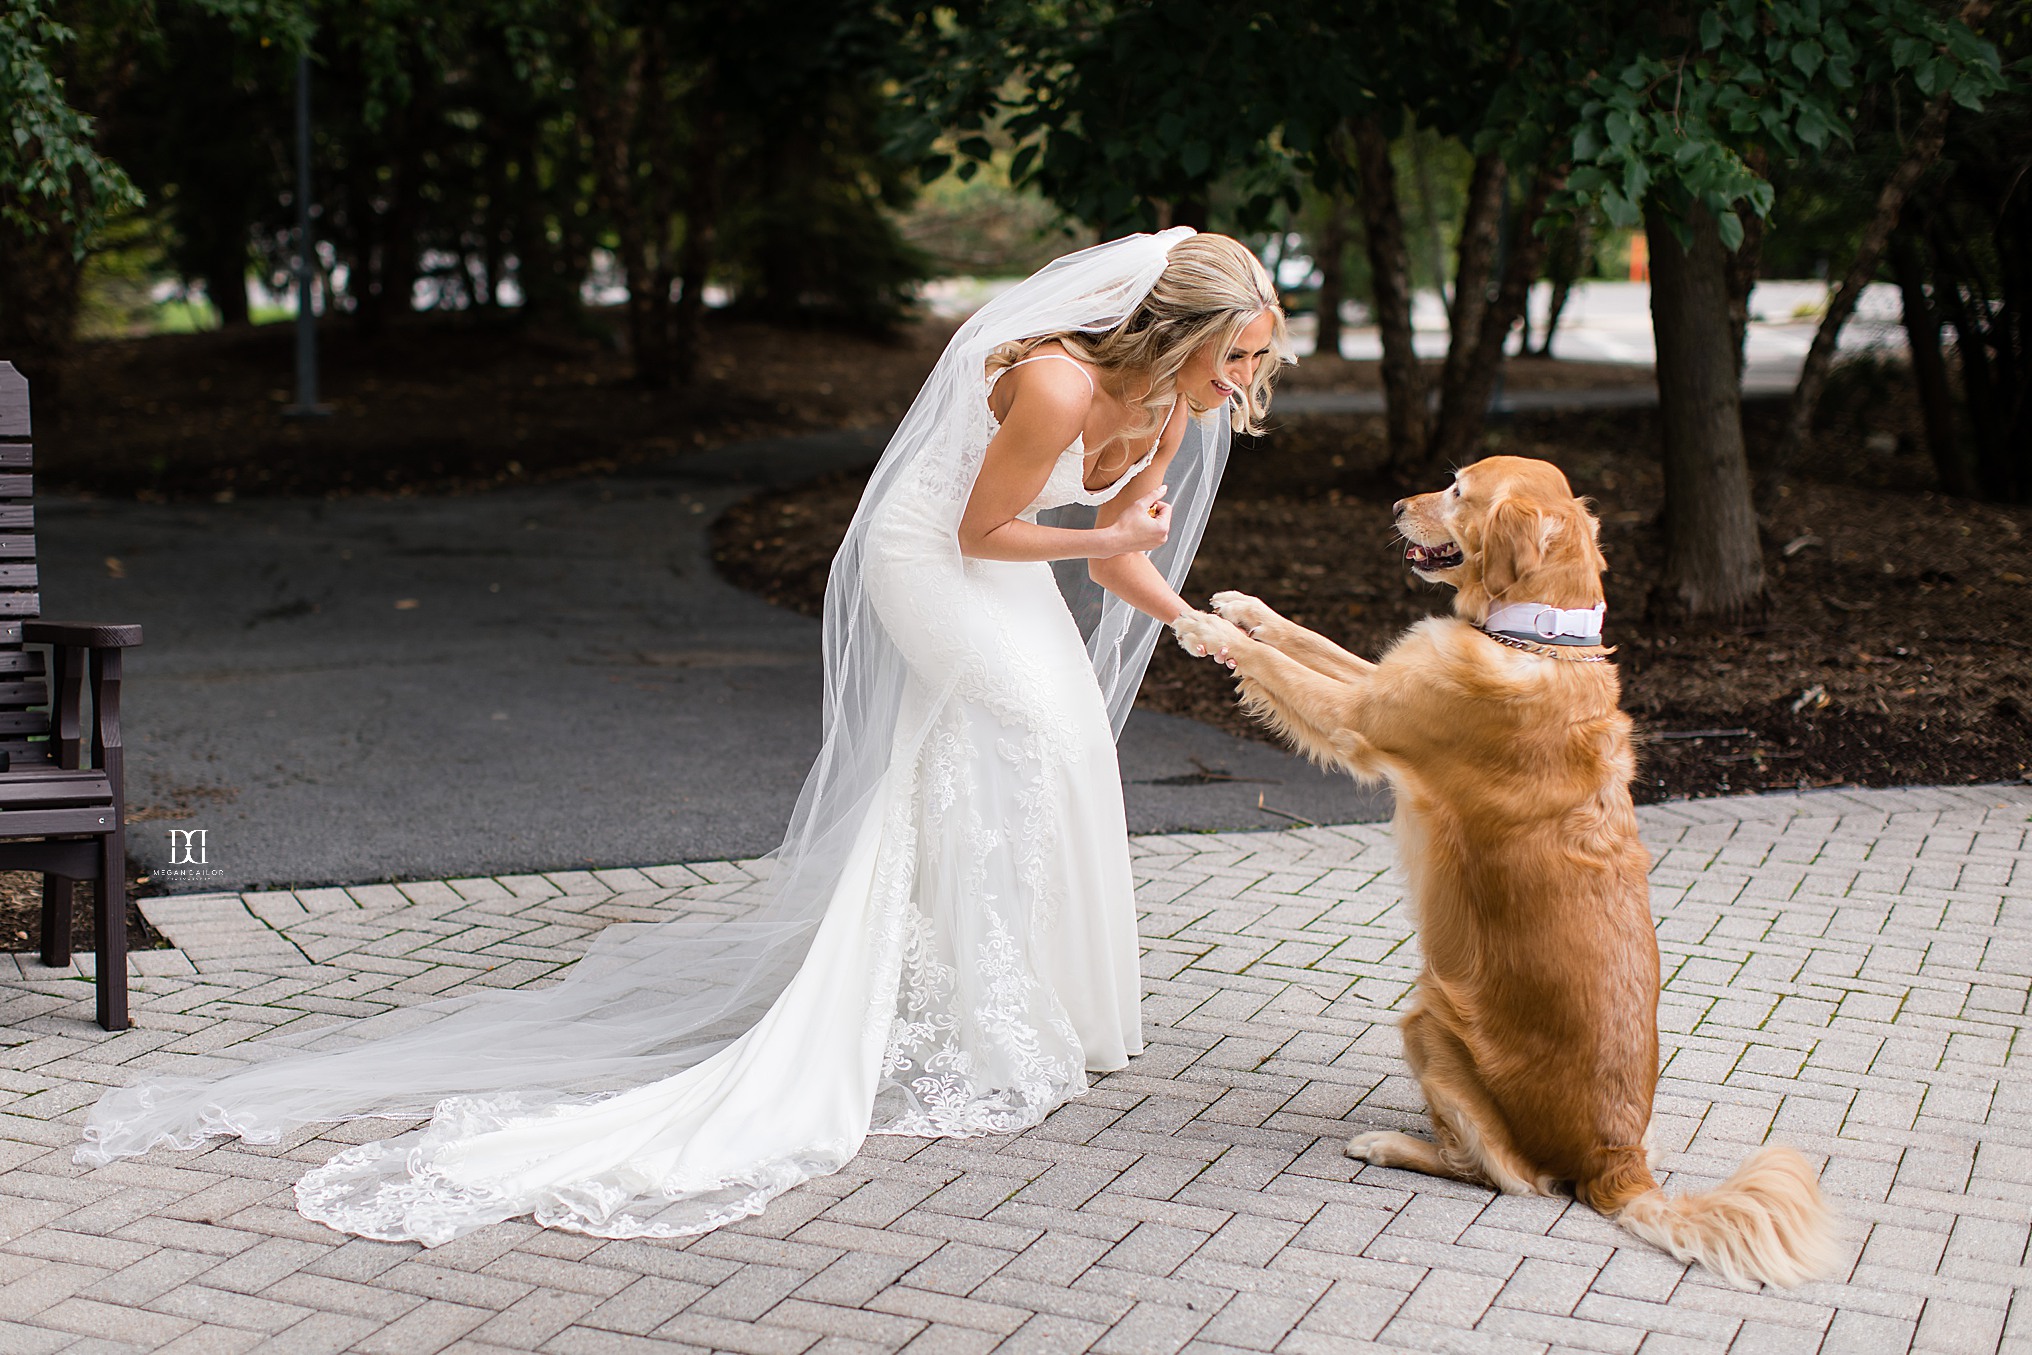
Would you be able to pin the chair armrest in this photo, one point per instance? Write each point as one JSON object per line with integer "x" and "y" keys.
{"x": 72, "y": 674}
{"x": 89, "y": 634}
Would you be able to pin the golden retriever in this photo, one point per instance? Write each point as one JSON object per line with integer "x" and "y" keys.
{"x": 1534, "y": 1029}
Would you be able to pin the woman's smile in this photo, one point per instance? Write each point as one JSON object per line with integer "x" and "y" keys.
{"x": 1223, "y": 377}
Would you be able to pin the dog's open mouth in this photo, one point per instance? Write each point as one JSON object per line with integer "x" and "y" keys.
{"x": 1445, "y": 555}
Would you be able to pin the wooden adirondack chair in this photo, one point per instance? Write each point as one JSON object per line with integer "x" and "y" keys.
{"x": 62, "y": 784}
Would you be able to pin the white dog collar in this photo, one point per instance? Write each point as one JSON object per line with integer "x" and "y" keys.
{"x": 1548, "y": 625}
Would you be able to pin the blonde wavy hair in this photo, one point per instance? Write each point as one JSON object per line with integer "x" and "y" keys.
{"x": 1211, "y": 289}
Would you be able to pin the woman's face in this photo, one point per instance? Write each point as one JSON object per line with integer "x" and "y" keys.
{"x": 1210, "y": 376}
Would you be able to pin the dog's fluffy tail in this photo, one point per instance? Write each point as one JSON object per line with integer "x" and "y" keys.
{"x": 1765, "y": 1223}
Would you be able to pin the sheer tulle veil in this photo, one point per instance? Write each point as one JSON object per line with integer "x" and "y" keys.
{"x": 649, "y": 1000}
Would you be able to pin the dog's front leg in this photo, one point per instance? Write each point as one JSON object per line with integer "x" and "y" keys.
{"x": 1309, "y": 647}
{"x": 1318, "y": 715}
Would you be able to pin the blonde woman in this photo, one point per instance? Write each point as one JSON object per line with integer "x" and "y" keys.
{"x": 945, "y": 943}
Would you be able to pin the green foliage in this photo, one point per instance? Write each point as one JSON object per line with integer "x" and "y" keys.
{"x": 1968, "y": 235}
{"x": 1120, "y": 106}
{"x": 984, "y": 227}
{"x": 52, "y": 173}
{"x": 195, "y": 76}
{"x": 1124, "y": 111}
{"x": 812, "y": 231}
{"x": 1117, "y": 111}
{"x": 49, "y": 172}
{"x": 1677, "y": 102}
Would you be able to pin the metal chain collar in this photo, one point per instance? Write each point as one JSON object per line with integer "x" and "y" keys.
{"x": 1546, "y": 651}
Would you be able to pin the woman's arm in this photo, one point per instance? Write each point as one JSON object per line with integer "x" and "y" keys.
{"x": 1130, "y": 576}
{"x": 1048, "y": 410}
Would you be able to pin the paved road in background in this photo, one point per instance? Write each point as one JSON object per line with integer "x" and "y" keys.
{"x": 529, "y": 679}
{"x": 1611, "y": 322}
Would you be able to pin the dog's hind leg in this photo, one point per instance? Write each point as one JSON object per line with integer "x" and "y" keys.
{"x": 1472, "y": 1143}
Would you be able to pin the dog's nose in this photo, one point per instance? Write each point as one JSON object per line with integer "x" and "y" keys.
{"x": 1397, "y": 509}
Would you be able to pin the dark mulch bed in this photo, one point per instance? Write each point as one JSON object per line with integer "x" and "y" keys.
{"x": 21, "y": 915}
{"x": 1897, "y": 650}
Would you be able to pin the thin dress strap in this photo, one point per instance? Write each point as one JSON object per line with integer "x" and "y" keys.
{"x": 1040, "y": 358}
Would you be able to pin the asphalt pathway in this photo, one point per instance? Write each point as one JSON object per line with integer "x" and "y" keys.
{"x": 528, "y": 679}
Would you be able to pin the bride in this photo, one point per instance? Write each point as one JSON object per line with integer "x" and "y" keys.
{"x": 947, "y": 942}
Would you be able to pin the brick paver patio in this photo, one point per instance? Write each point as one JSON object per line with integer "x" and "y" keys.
{"x": 1846, "y": 971}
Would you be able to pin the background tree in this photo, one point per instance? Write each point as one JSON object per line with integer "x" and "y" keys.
{"x": 212, "y": 193}
{"x": 1826, "y": 209}
{"x": 467, "y": 153}
{"x": 1963, "y": 70}
{"x": 1569, "y": 257}
{"x": 62, "y": 68}
{"x": 1962, "y": 254}
{"x": 1679, "y": 105}
{"x": 1126, "y": 126}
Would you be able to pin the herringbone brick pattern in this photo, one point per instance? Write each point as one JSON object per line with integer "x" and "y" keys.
{"x": 1846, "y": 971}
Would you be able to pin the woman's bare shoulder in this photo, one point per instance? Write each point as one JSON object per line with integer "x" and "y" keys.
{"x": 1045, "y": 398}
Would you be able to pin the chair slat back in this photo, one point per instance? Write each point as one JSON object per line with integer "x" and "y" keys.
{"x": 24, "y": 688}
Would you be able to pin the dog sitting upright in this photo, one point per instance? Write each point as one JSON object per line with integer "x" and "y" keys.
{"x": 1534, "y": 1029}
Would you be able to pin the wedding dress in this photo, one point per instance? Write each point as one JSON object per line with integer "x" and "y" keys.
{"x": 950, "y": 942}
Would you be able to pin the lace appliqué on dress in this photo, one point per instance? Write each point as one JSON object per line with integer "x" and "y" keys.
{"x": 977, "y": 1043}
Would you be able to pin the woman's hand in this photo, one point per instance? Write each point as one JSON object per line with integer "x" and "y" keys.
{"x": 1144, "y": 525}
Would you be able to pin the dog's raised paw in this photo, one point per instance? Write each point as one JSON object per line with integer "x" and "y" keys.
{"x": 1244, "y": 610}
{"x": 1189, "y": 629}
{"x": 1200, "y": 634}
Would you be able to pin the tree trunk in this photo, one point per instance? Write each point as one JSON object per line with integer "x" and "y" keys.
{"x": 39, "y": 292}
{"x": 1435, "y": 251}
{"x": 1714, "y": 563}
{"x": 657, "y": 367}
{"x": 1481, "y": 225}
{"x": 1929, "y": 368}
{"x": 1566, "y": 254}
{"x": 1746, "y": 262}
{"x": 1406, "y": 418}
{"x": 616, "y": 102}
{"x": 1332, "y": 258}
{"x": 226, "y": 287}
{"x": 1989, "y": 359}
{"x": 494, "y": 222}
{"x": 1468, "y": 383}
{"x": 1561, "y": 290}
{"x": 548, "y": 281}
{"x": 701, "y": 229}
{"x": 1920, "y": 153}
{"x": 383, "y": 278}
{"x": 401, "y": 260}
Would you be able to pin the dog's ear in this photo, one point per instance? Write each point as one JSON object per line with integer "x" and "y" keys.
{"x": 1590, "y": 530}
{"x": 1513, "y": 545}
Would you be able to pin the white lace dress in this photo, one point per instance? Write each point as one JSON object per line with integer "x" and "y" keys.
{"x": 977, "y": 959}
